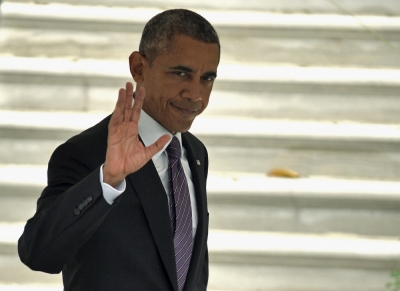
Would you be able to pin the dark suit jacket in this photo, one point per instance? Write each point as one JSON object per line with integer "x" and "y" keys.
{"x": 124, "y": 246}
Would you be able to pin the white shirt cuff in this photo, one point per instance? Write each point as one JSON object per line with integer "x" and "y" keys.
{"x": 110, "y": 193}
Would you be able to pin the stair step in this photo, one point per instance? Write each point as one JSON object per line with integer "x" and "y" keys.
{"x": 124, "y": 18}
{"x": 343, "y": 149}
{"x": 226, "y": 72}
{"x": 303, "y": 192}
{"x": 244, "y": 277}
{"x": 313, "y": 205}
{"x": 265, "y": 91}
{"x": 34, "y": 30}
{"x": 230, "y": 186}
{"x": 17, "y": 208}
{"x": 265, "y": 248}
{"x": 308, "y": 162}
{"x": 304, "y": 250}
{"x": 43, "y": 125}
{"x": 253, "y": 202}
{"x": 227, "y": 277}
{"x": 369, "y": 7}
{"x": 12, "y": 271}
{"x": 274, "y": 49}
{"x": 74, "y": 122}
{"x": 31, "y": 287}
{"x": 318, "y": 106}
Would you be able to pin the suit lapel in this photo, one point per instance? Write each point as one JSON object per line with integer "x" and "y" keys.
{"x": 151, "y": 193}
{"x": 199, "y": 183}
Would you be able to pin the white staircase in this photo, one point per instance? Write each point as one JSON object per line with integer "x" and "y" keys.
{"x": 309, "y": 85}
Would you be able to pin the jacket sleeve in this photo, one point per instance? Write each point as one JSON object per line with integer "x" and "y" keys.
{"x": 69, "y": 210}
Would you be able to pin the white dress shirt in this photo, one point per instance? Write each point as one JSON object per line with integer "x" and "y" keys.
{"x": 149, "y": 131}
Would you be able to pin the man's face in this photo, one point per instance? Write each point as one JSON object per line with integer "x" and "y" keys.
{"x": 179, "y": 82}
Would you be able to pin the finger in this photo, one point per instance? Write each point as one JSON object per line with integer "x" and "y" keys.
{"x": 138, "y": 104}
{"x": 117, "y": 115}
{"x": 128, "y": 101}
{"x": 158, "y": 145}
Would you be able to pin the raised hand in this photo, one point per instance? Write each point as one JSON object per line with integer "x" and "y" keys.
{"x": 125, "y": 153}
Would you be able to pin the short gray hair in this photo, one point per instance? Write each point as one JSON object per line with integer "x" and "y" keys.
{"x": 159, "y": 31}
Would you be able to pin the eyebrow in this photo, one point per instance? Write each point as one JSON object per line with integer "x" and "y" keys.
{"x": 190, "y": 70}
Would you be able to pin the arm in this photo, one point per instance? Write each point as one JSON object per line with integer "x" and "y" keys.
{"x": 60, "y": 228}
{"x": 57, "y": 231}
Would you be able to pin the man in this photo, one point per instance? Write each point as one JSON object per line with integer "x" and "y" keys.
{"x": 119, "y": 213}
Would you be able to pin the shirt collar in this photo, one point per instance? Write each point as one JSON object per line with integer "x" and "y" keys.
{"x": 150, "y": 130}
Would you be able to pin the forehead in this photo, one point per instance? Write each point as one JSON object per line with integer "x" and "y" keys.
{"x": 185, "y": 50}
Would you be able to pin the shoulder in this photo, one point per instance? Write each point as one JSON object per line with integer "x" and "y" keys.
{"x": 96, "y": 133}
{"x": 89, "y": 145}
{"x": 195, "y": 148}
{"x": 189, "y": 139}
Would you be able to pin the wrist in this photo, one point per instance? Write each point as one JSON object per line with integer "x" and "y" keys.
{"x": 112, "y": 179}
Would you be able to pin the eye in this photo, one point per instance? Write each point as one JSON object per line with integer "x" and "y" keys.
{"x": 208, "y": 78}
{"x": 180, "y": 73}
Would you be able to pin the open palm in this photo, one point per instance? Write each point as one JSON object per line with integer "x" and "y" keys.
{"x": 125, "y": 152}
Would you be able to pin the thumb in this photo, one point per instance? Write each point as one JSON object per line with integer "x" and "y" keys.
{"x": 159, "y": 144}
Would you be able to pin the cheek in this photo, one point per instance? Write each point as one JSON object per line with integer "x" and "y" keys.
{"x": 171, "y": 91}
{"x": 158, "y": 97}
{"x": 206, "y": 99}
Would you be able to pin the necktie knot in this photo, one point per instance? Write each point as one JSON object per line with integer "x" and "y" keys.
{"x": 174, "y": 149}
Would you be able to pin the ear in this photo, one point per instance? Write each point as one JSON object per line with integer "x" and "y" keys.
{"x": 136, "y": 63}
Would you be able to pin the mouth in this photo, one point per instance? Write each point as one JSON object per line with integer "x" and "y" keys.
{"x": 186, "y": 110}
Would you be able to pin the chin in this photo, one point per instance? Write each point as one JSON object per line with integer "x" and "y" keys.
{"x": 179, "y": 125}
{"x": 182, "y": 128}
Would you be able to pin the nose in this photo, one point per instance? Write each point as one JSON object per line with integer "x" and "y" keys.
{"x": 193, "y": 91}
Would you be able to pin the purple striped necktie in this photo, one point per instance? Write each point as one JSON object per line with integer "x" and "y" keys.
{"x": 181, "y": 212}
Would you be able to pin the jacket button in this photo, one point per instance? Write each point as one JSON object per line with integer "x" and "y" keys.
{"x": 81, "y": 206}
{"x": 76, "y": 211}
{"x": 89, "y": 199}
{"x": 85, "y": 203}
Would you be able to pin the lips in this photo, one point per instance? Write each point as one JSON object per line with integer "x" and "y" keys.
{"x": 186, "y": 109}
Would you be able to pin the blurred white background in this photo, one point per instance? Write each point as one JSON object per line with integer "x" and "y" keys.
{"x": 303, "y": 131}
